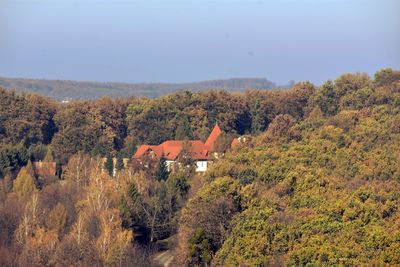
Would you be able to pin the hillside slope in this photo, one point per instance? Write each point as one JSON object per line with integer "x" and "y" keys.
{"x": 316, "y": 183}
{"x": 60, "y": 90}
{"x": 322, "y": 191}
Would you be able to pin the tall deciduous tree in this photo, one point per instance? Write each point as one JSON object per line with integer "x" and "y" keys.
{"x": 327, "y": 100}
{"x": 386, "y": 77}
{"x": 57, "y": 219}
{"x": 77, "y": 170}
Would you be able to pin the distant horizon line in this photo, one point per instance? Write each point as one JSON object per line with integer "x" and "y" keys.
{"x": 145, "y": 83}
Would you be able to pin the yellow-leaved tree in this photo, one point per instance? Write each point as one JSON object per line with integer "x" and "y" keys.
{"x": 113, "y": 242}
{"x": 24, "y": 184}
{"x": 99, "y": 211}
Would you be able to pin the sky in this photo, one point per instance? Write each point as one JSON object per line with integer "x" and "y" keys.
{"x": 194, "y": 40}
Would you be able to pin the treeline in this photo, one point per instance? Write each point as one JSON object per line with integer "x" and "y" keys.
{"x": 31, "y": 122}
{"x": 315, "y": 183}
{"x": 66, "y": 90}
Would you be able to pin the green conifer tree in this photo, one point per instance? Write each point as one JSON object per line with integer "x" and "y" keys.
{"x": 162, "y": 170}
{"x": 120, "y": 162}
{"x": 59, "y": 169}
{"x": 257, "y": 124}
{"x": 109, "y": 165}
{"x": 133, "y": 193}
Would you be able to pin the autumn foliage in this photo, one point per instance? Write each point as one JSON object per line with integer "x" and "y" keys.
{"x": 316, "y": 183}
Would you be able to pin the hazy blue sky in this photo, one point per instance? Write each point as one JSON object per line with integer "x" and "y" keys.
{"x": 191, "y": 40}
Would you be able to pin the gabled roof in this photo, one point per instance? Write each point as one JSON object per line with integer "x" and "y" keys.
{"x": 45, "y": 168}
{"x": 171, "y": 149}
{"x": 213, "y": 137}
{"x": 143, "y": 149}
{"x": 235, "y": 142}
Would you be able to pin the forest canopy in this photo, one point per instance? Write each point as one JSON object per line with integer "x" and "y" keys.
{"x": 316, "y": 183}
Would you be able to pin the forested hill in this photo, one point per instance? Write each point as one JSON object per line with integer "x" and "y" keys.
{"x": 316, "y": 183}
{"x": 60, "y": 90}
{"x": 322, "y": 190}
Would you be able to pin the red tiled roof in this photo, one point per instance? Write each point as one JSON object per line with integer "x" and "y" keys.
{"x": 142, "y": 149}
{"x": 158, "y": 151}
{"x": 44, "y": 168}
{"x": 235, "y": 142}
{"x": 172, "y": 148}
{"x": 213, "y": 137}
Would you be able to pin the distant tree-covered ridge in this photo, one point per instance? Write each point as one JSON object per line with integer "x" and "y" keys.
{"x": 67, "y": 90}
{"x": 316, "y": 183}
